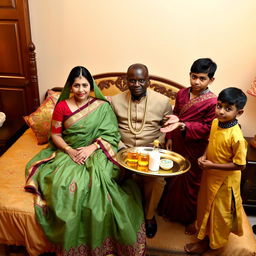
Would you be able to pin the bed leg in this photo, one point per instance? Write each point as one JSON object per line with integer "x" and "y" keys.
{"x": 13, "y": 249}
{"x": 6, "y": 250}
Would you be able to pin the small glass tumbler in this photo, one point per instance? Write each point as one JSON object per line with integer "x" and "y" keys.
{"x": 132, "y": 159}
{"x": 143, "y": 159}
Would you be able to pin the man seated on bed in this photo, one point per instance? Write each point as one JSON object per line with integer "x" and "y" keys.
{"x": 140, "y": 113}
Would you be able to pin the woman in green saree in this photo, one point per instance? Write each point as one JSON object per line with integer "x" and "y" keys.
{"x": 79, "y": 204}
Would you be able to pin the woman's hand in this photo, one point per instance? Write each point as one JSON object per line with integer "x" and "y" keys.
{"x": 72, "y": 153}
{"x": 84, "y": 152}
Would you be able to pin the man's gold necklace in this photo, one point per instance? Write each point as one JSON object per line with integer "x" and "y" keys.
{"x": 143, "y": 122}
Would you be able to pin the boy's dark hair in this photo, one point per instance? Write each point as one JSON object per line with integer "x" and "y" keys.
{"x": 204, "y": 65}
{"x": 233, "y": 96}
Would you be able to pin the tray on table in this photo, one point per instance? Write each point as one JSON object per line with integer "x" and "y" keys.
{"x": 180, "y": 164}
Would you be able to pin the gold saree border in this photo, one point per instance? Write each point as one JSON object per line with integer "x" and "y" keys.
{"x": 83, "y": 112}
{"x": 111, "y": 247}
{"x": 108, "y": 150}
{"x": 31, "y": 185}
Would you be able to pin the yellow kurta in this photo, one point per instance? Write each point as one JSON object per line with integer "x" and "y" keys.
{"x": 219, "y": 201}
{"x": 158, "y": 107}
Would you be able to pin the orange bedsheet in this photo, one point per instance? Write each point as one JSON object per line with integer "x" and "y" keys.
{"x": 17, "y": 218}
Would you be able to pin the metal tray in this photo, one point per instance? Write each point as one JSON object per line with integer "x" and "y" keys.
{"x": 180, "y": 164}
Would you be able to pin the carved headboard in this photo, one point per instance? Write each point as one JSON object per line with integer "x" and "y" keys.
{"x": 115, "y": 82}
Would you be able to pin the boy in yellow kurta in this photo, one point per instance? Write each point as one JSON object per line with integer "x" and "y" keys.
{"x": 219, "y": 210}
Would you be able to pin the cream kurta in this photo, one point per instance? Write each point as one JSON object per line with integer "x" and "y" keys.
{"x": 219, "y": 201}
{"x": 158, "y": 107}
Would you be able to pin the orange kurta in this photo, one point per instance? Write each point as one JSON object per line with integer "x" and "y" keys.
{"x": 219, "y": 201}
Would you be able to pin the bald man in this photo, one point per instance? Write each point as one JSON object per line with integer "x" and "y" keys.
{"x": 140, "y": 113}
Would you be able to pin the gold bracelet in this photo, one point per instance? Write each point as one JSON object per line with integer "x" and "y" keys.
{"x": 67, "y": 147}
{"x": 96, "y": 144}
{"x": 183, "y": 127}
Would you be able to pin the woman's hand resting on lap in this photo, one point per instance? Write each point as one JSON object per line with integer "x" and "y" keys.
{"x": 80, "y": 155}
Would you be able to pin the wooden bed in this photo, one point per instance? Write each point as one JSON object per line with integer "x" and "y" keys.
{"x": 17, "y": 219}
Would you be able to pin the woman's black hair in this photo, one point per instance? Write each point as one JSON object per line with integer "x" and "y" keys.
{"x": 80, "y": 71}
{"x": 233, "y": 96}
{"x": 204, "y": 65}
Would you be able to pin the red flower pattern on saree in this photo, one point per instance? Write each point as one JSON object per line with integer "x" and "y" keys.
{"x": 110, "y": 247}
{"x": 73, "y": 187}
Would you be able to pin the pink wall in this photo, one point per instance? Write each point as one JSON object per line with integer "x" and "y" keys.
{"x": 166, "y": 35}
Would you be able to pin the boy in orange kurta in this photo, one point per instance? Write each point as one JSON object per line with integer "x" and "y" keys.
{"x": 219, "y": 210}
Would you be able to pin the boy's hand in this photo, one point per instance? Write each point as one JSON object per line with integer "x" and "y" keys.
{"x": 201, "y": 158}
{"x": 204, "y": 164}
{"x": 170, "y": 124}
{"x": 170, "y": 127}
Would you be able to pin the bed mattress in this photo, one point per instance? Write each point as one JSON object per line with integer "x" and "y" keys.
{"x": 18, "y": 225}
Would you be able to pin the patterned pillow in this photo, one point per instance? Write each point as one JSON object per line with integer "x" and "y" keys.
{"x": 40, "y": 120}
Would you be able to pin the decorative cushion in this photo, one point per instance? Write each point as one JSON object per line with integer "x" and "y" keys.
{"x": 40, "y": 120}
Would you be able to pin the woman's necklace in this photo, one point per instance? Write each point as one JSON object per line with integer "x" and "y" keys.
{"x": 134, "y": 130}
{"x": 83, "y": 103}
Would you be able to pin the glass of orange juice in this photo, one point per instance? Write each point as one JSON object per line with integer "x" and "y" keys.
{"x": 132, "y": 159}
{"x": 143, "y": 159}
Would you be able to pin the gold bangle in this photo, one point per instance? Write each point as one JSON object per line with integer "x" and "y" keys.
{"x": 96, "y": 144}
{"x": 67, "y": 147}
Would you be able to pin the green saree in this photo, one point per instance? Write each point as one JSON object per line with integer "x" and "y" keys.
{"x": 82, "y": 208}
